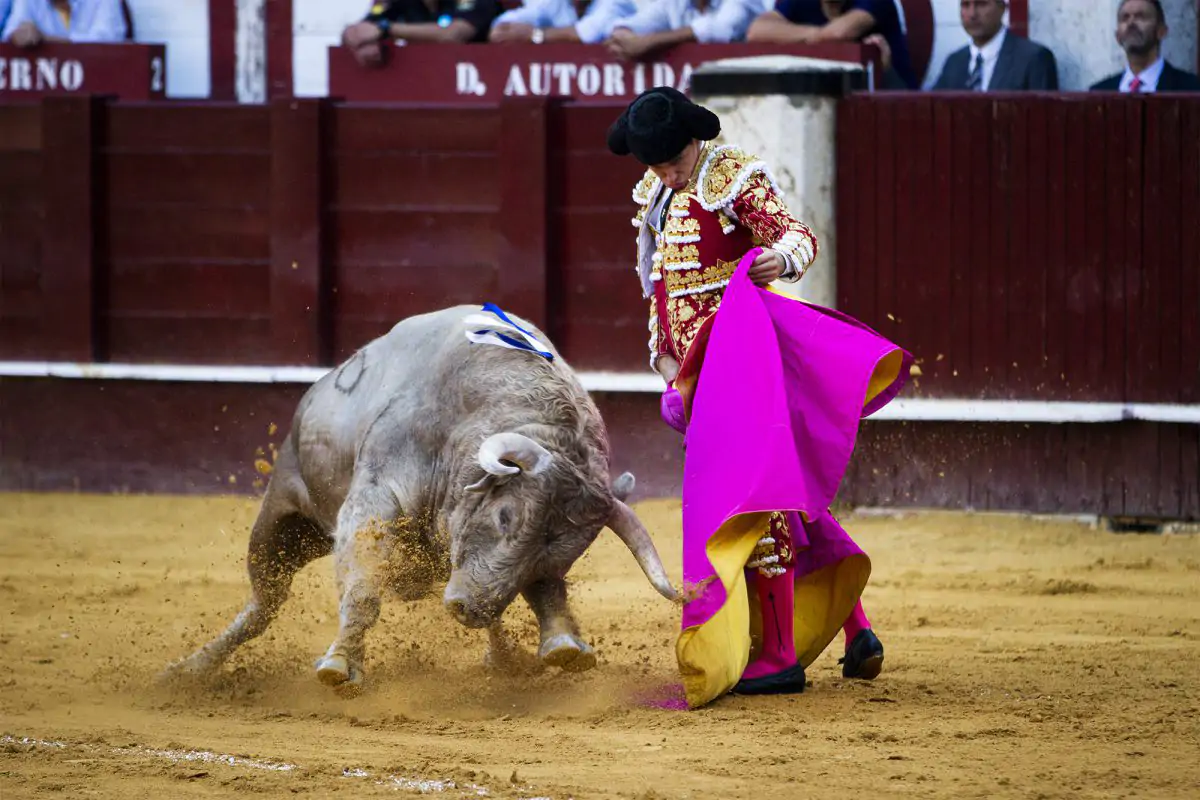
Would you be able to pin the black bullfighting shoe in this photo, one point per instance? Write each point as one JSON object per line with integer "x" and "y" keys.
{"x": 787, "y": 681}
{"x": 864, "y": 659}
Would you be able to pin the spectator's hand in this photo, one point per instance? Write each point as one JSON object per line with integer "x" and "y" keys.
{"x": 885, "y": 50}
{"x": 625, "y": 44}
{"x": 359, "y": 34}
{"x": 369, "y": 54}
{"x": 768, "y": 266}
{"x": 26, "y": 35}
{"x": 510, "y": 32}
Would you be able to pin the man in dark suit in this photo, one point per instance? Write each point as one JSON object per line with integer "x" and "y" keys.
{"x": 1141, "y": 28}
{"x": 996, "y": 60}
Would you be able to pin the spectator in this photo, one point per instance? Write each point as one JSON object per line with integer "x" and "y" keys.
{"x": 448, "y": 21}
{"x": 818, "y": 21}
{"x": 32, "y": 22}
{"x": 540, "y": 21}
{"x": 665, "y": 23}
{"x": 996, "y": 60}
{"x": 1141, "y": 28}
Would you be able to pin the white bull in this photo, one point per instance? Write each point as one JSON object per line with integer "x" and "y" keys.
{"x": 427, "y": 457}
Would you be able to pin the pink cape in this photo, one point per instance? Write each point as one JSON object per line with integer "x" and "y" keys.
{"x": 773, "y": 421}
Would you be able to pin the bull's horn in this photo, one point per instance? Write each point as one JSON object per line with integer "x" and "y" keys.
{"x": 522, "y": 454}
{"x": 633, "y": 533}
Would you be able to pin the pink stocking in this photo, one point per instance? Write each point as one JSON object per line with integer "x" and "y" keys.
{"x": 775, "y": 599}
{"x": 857, "y": 621}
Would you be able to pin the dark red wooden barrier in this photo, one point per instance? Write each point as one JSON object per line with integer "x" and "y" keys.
{"x": 294, "y": 233}
{"x": 1034, "y": 247}
{"x": 1027, "y": 246}
{"x": 1022, "y": 247}
{"x": 1121, "y": 469}
{"x": 131, "y": 71}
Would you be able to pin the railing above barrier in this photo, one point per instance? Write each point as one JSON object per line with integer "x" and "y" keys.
{"x": 472, "y": 73}
{"x": 128, "y": 71}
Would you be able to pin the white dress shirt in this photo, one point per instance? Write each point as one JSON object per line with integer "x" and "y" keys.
{"x": 593, "y": 27}
{"x": 91, "y": 20}
{"x": 991, "y": 54}
{"x": 723, "y": 21}
{"x": 1149, "y": 77}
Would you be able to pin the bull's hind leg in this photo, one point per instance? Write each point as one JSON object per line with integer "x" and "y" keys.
{"x": 282, "y": 542}
{"x": 364, "y": 542}
{"x": 561, "y": 644}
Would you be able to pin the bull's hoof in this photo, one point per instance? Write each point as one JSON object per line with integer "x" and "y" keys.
{"x": 336, "y": 671}
{"x": 186, "y": 669}
{"x": 568, "y": 653}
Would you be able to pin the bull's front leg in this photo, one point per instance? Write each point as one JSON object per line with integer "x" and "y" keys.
{"x": 367, "y": 533}
{"x": 561, "y": 644}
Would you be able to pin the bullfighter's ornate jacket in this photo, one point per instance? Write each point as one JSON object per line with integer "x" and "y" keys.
{"x": 690, "y": 242}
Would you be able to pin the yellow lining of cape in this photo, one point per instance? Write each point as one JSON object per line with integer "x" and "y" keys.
{"x": 712, "y": 656}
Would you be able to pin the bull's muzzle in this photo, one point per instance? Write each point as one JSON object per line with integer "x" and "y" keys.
{"x": 464, "y": 608}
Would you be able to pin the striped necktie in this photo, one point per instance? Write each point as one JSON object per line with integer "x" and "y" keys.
{"x": 1135, "y": 86}
{"x": 975, "y": 79}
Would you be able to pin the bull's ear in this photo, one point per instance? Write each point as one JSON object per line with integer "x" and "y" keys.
{"x": 482, "y": 485}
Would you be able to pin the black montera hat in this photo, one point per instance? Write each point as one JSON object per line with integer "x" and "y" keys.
{"x": 658, "y": 124}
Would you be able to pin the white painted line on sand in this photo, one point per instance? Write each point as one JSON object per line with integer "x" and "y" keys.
{"x": 398, "y": 782}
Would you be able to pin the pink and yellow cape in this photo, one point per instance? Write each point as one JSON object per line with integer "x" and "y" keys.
{"x": 771, "y": 423}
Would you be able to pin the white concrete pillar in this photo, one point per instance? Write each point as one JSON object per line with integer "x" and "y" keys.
{"x": 784, "y": 109}
{"x": 1082, "y": 34}
{"x": 250, "y": 67}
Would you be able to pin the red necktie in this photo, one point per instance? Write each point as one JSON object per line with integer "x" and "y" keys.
{"x": 1135, "y": 85}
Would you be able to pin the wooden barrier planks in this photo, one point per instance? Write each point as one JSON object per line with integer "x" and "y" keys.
{"x": 597, "y": 314}
{"x": 1057, "y": 257}
{"x": 1022, "y": 246}
{"x": 21, "y": 208}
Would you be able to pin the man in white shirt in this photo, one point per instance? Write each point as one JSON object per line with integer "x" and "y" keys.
{"x": 666, "y": 23}
{"x": 540, "y": 21}
{"x": 35, "y": 21}
{"x": 1141, "y": 28}
{"x": 996, "y": 60}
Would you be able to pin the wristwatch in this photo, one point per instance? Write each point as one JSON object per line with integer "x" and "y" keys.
{"x": 385, "y": 28}
{"x": 538, "y": 36}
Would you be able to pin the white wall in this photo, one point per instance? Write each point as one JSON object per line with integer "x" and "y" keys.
{"x": 317, "y": 24}
{"x": 182, "y": 25}
{"x": 250, "y": 64}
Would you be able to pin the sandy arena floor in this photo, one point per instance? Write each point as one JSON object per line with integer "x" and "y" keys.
{"x": 1025, "y": 659}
